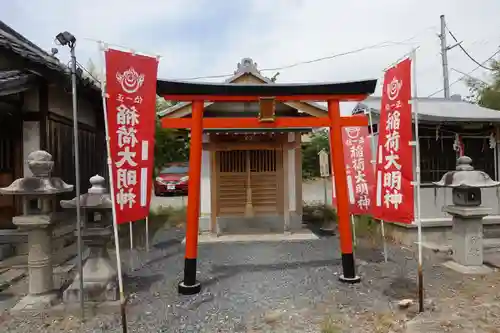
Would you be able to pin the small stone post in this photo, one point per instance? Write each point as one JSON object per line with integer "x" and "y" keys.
{"x": 99, "y": 275}
{"x": 38, "y": 223}
{"x": 468, "y": 214}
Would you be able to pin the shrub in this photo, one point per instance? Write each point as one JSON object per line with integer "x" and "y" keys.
{"x": 318, "y": 213}
{"x": 162, "y": 217}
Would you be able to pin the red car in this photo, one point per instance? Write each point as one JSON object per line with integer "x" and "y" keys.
{"x": 172, "y": 179}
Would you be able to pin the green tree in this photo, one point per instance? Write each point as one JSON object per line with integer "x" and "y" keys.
{"x": 486, "y": 94}
{"x": 170, "y": 145}
{"x": 310, "y": 150}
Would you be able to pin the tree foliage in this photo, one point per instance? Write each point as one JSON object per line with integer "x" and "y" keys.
{"x": 310, "y": 150}
{"x": 486, "y": 94}
{"x": 170, "y": 145}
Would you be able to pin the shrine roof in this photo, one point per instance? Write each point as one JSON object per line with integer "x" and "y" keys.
{"x": 440, "y": 109}
{"x": 265, "y": 90}
{"x": 261, "y": 86}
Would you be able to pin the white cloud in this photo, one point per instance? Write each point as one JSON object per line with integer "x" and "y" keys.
{"x": 274, "y": 33}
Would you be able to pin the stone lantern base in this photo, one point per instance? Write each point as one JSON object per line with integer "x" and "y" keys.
{"x": 99, "y": 275}
{"x": 31, "y": 303}
{"x": 40, "y": 279}
{"x": 467, "y": 243}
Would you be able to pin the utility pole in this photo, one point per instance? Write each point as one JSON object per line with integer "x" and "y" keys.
{"x": 444, "y": 58}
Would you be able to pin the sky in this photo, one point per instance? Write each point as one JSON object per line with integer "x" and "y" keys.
{"x": 197, "y": 38}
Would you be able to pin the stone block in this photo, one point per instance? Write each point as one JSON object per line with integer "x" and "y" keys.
{"x": 204, "y": 224}
{"x": 295, "y": 221}
{"x": 467, "y": 241}
{"x": 35, "y": 303}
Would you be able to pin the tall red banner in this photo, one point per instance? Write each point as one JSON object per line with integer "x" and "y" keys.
{"x": 359, "y": 170}
{"x": 131, "y": 99}
{"x": 394, "y": 193}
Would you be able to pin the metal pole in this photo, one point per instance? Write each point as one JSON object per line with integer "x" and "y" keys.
{"x": 112, "y": 192}
{"x": 374, "y": 164}
{"x": 354, "y": 242}
{"x": 414, "y": 104}
{"x": 147, "y": 233}
{"x": 77, "y": 175}
{"x": 325, "y": 190}
{"x": 444, "y": 58}
{"x": 131, "y": 255}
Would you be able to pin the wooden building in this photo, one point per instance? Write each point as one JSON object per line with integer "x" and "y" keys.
{"x": 251, "y": 179}
{"x": 36, "y": 113}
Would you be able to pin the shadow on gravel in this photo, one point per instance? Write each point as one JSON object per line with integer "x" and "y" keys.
{"x": 136, "y": 284}
{"x": 320, "y": 232}
{"x": 167, "y": 244}
{"x": 401, "y": 288}
{"x": 370, "y": 255}
{"x": 169, "y": 255}
{"x": 222, "y": 272}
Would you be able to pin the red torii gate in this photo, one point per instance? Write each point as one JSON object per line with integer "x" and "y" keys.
{"x": 199, "y": 93}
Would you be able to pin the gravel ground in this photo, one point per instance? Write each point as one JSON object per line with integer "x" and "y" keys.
{"x": 286, "y": 287}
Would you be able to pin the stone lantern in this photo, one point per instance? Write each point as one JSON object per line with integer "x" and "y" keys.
{"x": 99, "y": 275}
{"x": 468, "y": 214}
{"x": 38, "y": 222}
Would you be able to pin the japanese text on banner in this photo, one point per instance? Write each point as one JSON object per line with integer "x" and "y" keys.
{"x": 360, "y": 178}
{"x": 131, "y": 98}
{"x": 394, "y": 193}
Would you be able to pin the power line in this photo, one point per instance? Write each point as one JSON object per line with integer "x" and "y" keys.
{"x": 467, "y": 74}
{"x": 87, "y": 71}
{"x": 300, "y": 63}
{"x": 465, "y": 51}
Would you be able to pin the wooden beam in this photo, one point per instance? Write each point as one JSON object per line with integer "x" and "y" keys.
{"x": 298, "y": 98}
{"x": 281, "y": 122}
{"x": 226, "y": 146}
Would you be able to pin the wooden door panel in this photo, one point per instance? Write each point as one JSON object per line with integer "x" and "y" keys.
{"x": 248, "y": 182}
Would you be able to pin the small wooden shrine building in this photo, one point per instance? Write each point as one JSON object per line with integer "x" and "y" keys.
{"x": 251, "y": 179}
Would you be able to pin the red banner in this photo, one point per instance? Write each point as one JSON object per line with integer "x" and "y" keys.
{"x": 394, "y": 193}
{"x": 131, "y": 99}
{"x": 359, "y": 170}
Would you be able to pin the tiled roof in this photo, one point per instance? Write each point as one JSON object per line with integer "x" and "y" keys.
{"x": 11, "y": 40}
{"x": 14, "y": 81}
{"x": 20, "y": 45}
{"x": 440, "y": 109}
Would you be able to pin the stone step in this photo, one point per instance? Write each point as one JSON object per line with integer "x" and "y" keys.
{"x": 11, "y": 276}
{"x": 21, "y": 261}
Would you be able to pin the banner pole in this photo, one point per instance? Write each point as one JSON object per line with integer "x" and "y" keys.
{"x": 354, "y": 242}
{"x": 147, "y": 234}
{"x": 374, "y": 164}
{"x": 112, "y": 192}
{"x": 131, "y": 256}
{"x": 414, "y": 105}
{"x": 325, "y": 191}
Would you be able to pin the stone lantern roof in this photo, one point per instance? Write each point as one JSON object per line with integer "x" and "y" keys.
{"x": 466, "y": 177}
{"x": 40, "y": 164}
{"x": 96, "y": 197}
